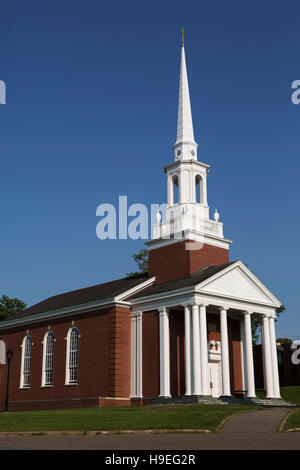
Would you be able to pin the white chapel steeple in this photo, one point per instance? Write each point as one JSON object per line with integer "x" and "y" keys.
{"x": 185, "y": 146}
{"x": 187, "y": 212}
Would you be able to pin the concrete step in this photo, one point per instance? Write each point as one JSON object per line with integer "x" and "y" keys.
{"x": 200, "y": 399}
{"x": 275, "y": 402}
{"x": 208, "y": 400}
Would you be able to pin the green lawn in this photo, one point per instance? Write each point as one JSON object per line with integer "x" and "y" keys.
{"x": 120, "y": 418}
{"x": 291, "y": 394}
{"x": 201, "y": 417}
{"x": 293, "y": 421}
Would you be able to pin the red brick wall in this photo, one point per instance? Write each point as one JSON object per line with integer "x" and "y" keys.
{"x": 215, "y": 321}
{"x": 258, "y": 366}
{"x": 119, "y": 353}
{"x": 104, "y": 360}
{"x": 174, "y": 261}
{"x": 236, "y": 375}
{"x": 289, "y": 373}
{"x": 208, "y": 256}
{"x": 103, "y": 363}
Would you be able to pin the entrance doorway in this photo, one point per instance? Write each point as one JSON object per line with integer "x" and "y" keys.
{"x": 214, "y": 371}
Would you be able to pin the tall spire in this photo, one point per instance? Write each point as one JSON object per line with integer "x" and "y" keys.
{"x": 185, "y": 146}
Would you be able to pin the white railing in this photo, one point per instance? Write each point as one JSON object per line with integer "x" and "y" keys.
{"x": 187, "y": 222}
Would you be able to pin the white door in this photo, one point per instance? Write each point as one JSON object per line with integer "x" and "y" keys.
{"x": 215, "y": 378}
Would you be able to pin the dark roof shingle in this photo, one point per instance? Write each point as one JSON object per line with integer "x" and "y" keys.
{"x": 83, "y": 296}
{"x": 115, "y": 288}
{"x": 195, "y": 278}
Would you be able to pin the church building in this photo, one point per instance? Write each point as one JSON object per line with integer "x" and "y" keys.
{"x": 181, "y": 331}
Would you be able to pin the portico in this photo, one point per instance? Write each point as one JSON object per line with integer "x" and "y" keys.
{"x": 209, "y": 349}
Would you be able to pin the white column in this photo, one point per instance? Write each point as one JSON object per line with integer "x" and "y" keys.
{"x": 249, "y": 356}
{"x": 184, "y": 186}
{"x": 164, "y": 352}
{"x": 196, "y": 351}
{"x": 267, "y": 359}
{"x": 136, "y": 355}
{"x": 204, "y": 354}
{"x": 276, "y": 386}
{"x": 170, "y": 191}
{"x": 139, "y": 356}
{"x": 225, "y": 353}
{"x": 187, "y": 334}
{"x": 204, "y": 189}
{"x": 192, "y": 184}
{"x": 133, "y": 357}
{"x": 263, "y": 351}
{"x": 243, "y": 353}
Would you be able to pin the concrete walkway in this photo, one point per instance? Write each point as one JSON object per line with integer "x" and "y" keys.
{"x": 262, "y": 421}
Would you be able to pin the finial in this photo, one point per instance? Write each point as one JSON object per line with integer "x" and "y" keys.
{"x": 158, "y": 217}
{"x": 216, "y": 215}
{"x": 183, "y": 33}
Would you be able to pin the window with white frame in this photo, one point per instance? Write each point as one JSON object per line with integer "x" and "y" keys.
{"x": 48, "y": 359}
{"x": 72, "y": 356}
{"x": 26, "y": 362}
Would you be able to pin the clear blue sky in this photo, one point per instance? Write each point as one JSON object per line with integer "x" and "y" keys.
{"x": 92, "y": 91}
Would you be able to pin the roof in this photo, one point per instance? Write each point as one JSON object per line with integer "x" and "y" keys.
{"x": 195, "y": 278}
{"x": 112, "y": 289}
{"x": 82, "y": 296}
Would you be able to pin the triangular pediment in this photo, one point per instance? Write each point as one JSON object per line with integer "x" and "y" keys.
{"x": 238, "y": 282}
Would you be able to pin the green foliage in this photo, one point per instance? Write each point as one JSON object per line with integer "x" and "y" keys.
{"x": 141, "y": 259}
{"x": 280, "y": 310}
{"x": 9, "y": 306}
{"x": 256, "y": 324}
{"x": 285, "y": 341}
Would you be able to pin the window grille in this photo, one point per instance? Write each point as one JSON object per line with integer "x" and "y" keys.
{"x": 27, "y": 353}
{"x": 48, "y": 359}
{"x": 73, "y": 356}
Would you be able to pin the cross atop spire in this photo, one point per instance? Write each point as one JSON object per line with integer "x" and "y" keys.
{"x": 183, "y": 33}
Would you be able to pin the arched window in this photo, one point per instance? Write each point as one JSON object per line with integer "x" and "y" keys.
{"x": 175, "y": 185}
{"x": 72, "y": 356}
{"x": 26, "y": 362}
{"x": 48, "y": 359}
{"x": 199, "y": 189}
